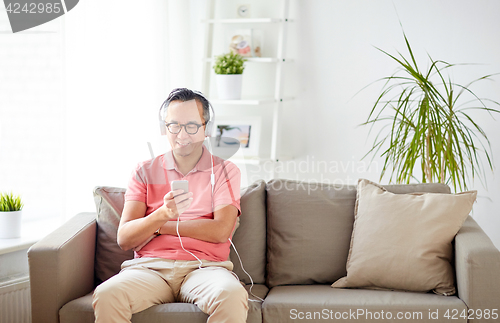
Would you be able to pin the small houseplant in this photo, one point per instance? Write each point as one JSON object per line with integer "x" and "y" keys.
{"x": 431, "y": 128}
{"x": 10, "y": 215}
{"x": 229, "y": 69}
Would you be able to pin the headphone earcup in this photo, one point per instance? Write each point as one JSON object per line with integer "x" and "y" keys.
{"x": 210, "y": 123}
{"x": 161, "y": 120}
{"x": 208, "y": 129}
{"x": 163, "y": 128}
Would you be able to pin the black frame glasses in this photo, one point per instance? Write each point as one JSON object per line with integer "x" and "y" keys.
{"x": 185, "y": 127}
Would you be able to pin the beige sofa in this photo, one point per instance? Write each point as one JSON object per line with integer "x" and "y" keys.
{"x": 293, "y": 240}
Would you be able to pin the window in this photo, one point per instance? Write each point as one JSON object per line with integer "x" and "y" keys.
{"x": 31, "y": 116}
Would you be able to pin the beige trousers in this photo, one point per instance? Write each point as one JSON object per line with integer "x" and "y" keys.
{"x": 144, "y": 282}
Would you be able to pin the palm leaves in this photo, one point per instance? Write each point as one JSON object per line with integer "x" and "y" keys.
{"x": 430, "y": 127}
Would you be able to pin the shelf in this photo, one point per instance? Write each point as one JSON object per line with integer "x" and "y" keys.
{"x": 249, "y": 161}
{"x": 31, "y": 232}
{"x": 244, "y": 101}
{"x": 242, "y": 21}
{"x": 257, "y": 160}
{"x": 249, "y": 101}
{"x": 259, "y": 60}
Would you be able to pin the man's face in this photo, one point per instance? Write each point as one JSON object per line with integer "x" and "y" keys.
{"x": 186, "y": 113}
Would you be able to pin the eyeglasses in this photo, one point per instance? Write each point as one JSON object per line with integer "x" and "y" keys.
{"x": 191, "y": 128}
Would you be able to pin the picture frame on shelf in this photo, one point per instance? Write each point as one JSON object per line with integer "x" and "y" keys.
{"x": 231, "y": 132}
{"x": 246, "y": 42}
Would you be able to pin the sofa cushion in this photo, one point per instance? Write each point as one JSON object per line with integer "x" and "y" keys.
{"x": 321, "y": 303}
{"x": 80, "y": 311}
{"x": 309, "y": 229}
{"x": 108, "y": 256}
{"x": 403, "y": 241}
{"x": 250, "y": 238}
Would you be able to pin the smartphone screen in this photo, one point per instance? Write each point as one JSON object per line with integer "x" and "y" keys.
{"x": 183, "y": 185}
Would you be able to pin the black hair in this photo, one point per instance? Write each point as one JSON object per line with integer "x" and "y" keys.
{"x": 183, "y": 95}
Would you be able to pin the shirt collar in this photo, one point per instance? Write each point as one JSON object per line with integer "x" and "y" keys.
{"x": 204, "y": 164}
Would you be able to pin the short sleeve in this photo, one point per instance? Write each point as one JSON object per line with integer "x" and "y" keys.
{"x": 227, "y": 186}
{"x": 136, "y": 189}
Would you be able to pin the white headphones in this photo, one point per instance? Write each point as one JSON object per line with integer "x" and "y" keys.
{"x": 183, "y": 94}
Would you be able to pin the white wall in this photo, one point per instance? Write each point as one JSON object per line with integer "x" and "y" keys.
{"x": 336, "y": 58}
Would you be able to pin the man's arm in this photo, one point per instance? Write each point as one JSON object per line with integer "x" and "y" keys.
{"x": 135, "y": 228}
{"x": 216, "y": 230}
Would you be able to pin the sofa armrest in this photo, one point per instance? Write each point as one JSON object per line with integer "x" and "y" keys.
{"x": 477, "y": 264}
{"x": 61, "y": 267}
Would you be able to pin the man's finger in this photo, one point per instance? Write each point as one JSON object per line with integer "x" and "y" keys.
{"x": 182, "y": 197}
{"x": 184, "y": 205}
{"x": 170, "y": 195}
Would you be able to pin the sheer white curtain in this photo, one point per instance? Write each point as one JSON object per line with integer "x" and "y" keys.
{"x": 180, "y": 49}
{"x": 31, "y": 116}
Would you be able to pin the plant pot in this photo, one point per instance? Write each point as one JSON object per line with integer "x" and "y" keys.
{"x": 229, "y": 86}
{"x": 10, "y": 224}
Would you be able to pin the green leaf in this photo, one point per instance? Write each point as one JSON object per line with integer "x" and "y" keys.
{"x": 229, "y": 63}
{"x": 425, "y": 126}
{"x": 10, "y": 202}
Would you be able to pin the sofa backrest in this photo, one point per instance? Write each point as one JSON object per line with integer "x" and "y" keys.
{"x": 290, "y": 232}
{"x": 309, "y": 228}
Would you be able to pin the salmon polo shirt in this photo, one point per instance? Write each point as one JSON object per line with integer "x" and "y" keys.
{"x": 149, "y": 183}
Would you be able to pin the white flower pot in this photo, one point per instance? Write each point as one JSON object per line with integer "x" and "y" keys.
{"x": 229, "y": 86}
{"x": 10, "y": 224}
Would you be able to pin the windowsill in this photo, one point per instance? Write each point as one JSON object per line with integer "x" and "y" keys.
{"x": 31, "y": 232}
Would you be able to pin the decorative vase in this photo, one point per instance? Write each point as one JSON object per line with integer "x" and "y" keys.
{"x": 10, "y": 224}
{"x": 229, "y": 86}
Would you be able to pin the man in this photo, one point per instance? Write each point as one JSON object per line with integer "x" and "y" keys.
{"x": 187, "y": 260}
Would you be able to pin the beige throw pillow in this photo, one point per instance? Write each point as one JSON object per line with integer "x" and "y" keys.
{"x": 403, "y": 241}
{"x": 109, "y": 256}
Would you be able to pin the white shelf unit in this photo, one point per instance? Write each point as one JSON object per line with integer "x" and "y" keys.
{"x": 280, "y": 60}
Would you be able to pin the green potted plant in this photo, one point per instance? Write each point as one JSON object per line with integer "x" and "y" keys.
{"x": 229, "y": 75}
{"x": 430, "y": 126}
{"x": 10, "y": 215}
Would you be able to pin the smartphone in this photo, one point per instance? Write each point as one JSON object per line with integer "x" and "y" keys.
{"x": 183, "y": 185}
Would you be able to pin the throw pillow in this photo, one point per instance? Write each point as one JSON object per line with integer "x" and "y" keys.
{"x": 403, "y": 241}
{"x": 109, "y": 256}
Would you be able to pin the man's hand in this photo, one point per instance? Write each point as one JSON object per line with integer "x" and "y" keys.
{"x": 176, "y": 202}
{"x": 135, "y": 228}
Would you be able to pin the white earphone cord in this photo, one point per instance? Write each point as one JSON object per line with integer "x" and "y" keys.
{"x": 242, "y": 268}
{"x": 212, "y": 182}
